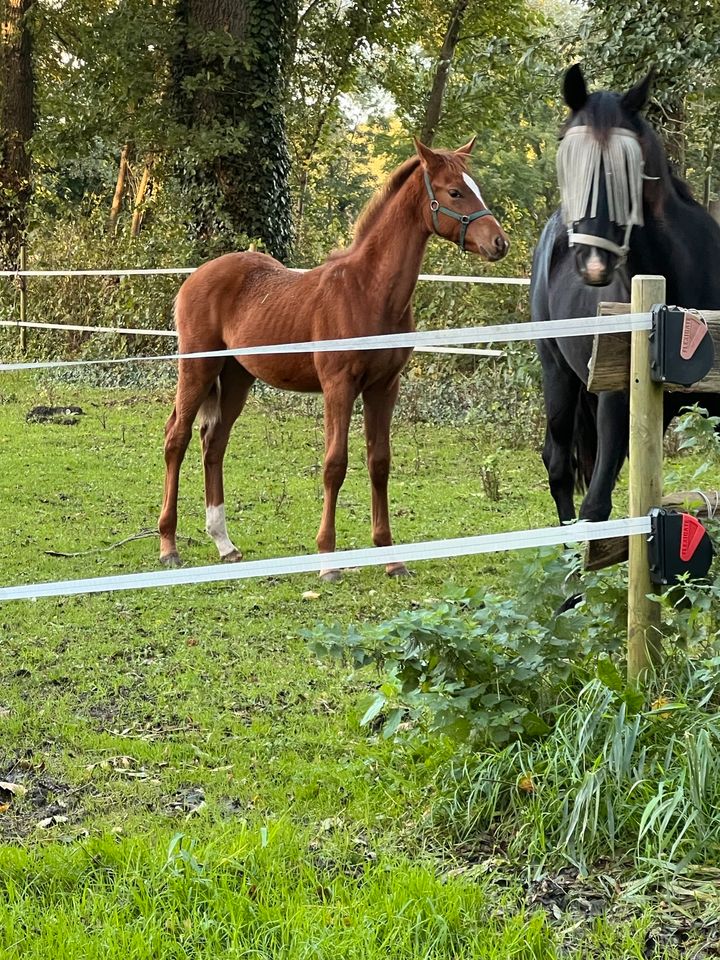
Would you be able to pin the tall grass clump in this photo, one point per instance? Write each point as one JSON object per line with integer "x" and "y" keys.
{"x": 617, "y": 779}
{"x": 554, "y": 758}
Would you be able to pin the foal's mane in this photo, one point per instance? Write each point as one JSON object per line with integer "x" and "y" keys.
{"x": 373, "y": 211}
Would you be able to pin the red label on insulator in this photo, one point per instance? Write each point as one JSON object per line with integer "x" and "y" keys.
{"x": 690, "y": 536}
{"x": 693, "y": 332}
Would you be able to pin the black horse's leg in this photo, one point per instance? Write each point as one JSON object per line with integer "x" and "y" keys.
{"x": 560, "y": 388}
{"x": 613, "y": 417}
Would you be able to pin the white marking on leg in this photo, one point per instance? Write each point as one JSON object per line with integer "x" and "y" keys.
{"x": 474, "y": 187}
{"x": 216, "y": 526}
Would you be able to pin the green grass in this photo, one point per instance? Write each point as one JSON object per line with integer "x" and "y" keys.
{"x": 130, "y": 717}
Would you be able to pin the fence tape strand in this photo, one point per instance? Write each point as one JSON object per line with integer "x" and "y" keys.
{"x": 500, "y": 333}
{"x": 581, "y": 531}
{"x": 180, "y": 271}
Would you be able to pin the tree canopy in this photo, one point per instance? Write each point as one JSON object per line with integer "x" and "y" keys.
{"x": 166, "y": 131}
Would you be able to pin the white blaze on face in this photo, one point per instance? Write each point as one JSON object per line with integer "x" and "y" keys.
{"x": 474, "y": 187}
{"x": 216, "y": 526}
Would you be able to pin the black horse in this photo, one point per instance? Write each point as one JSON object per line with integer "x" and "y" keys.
{"x": 590, "y": 254}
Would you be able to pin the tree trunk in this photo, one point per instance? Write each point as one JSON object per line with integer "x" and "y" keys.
{"x": 435, "y": 100}
{"x": 233, "y": 99}
{"x": 140, "y": 198}
{"x": 119, "y": 189}
{"x": 17, "y": 122}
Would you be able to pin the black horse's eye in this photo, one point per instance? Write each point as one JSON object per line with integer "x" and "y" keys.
{"x": 455, "y": 194}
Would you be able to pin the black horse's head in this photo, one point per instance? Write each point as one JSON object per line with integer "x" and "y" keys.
{"x": 606, "y": 159}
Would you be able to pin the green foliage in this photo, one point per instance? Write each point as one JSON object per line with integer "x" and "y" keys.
{"x": 679, "y": 42}
{"x": 620, "y": 777}
{"x": 480, "y": 668}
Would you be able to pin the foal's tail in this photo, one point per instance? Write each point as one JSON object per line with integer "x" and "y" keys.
{"x": 585, "y": 440}
{"x": 210, "y": 411}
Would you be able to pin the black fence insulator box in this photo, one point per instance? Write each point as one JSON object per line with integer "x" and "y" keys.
{"x": 681, "y": 347}
{"x": 679, "y": 544}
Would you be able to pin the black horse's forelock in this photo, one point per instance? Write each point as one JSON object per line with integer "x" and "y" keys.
{"x": 602, "y": 111}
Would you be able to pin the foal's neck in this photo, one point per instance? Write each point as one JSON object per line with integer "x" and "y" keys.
{"x": 390, "y": 254}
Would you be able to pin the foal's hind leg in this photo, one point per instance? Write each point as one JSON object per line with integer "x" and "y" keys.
{"x": 218, "y": 418}
{"x": 378, "y": 405}
{"x": 195, "y": 380}
{"x": 339, "y": 398}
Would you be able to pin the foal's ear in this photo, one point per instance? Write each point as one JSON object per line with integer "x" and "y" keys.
{"x": 574, "y": 89}
{"x": 467, "y": 149}
{"x": 430, "y": 159}
{"x": 636, "y": 97}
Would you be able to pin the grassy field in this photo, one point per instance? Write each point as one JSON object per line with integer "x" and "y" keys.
{"x": 189, "y": 781}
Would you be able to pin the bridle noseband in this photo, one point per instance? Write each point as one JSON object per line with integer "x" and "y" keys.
{"x": 465, "y": 218}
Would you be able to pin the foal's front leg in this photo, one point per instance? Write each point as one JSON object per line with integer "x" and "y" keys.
{"x": 378, "y": 406}
{"x": 339, "y": 399}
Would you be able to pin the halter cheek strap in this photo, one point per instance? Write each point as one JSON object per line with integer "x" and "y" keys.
{"x": 465, "y": 218}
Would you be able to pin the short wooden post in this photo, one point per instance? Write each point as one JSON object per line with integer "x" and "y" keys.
{"x": 23, "y": 300}
{"x": 646, "y": 462}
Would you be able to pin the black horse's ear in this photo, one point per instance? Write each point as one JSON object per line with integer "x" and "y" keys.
{"x": 574, "y": 89}
{"x": 636, "y": 97}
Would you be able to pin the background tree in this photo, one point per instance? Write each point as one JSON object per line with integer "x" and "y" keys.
{"x": 17, "y": 113}
{"x": 442, "y": 72}
{"x": 228, "y": 85}
{"x": 680, "y": 41}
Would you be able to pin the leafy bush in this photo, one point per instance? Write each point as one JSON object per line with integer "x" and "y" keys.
{"x": 480, "y": 668}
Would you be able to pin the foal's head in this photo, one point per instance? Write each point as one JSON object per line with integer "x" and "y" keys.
{"x": 611, "y": 167}
{"x": 454, "y": 207}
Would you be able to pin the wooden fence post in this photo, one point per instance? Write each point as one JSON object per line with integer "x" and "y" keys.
{"x": 646, "y": 464}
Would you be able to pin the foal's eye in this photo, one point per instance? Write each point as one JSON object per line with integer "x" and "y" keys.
{"x": 455, "y": 194}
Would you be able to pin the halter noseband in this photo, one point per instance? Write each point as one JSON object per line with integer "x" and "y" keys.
{"x": 465, "y": 218}
{"x": 590, "y": 240}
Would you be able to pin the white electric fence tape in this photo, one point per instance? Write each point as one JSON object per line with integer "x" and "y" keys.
{"x": 140, "y": 332}
{"x": 427, "y": 340}
{"x": 174, "y": 271}
{"x": 429, "y": 550}
{"x": 501, "y": 333}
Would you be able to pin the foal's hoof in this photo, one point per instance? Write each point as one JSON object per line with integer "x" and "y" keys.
{"x": 171, "y": 561}
{"x": 233, "y": 557}
{"x": 398, "y": 570}
{"x": 330, "y": 576}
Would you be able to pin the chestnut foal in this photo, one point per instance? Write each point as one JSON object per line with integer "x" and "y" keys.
{"x": 250, "y": 299}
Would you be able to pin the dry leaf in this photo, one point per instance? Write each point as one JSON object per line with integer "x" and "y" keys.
{"x": 310, "y": 595}
{"x": 14, "y": 789}
{"x": 51, "y": 821}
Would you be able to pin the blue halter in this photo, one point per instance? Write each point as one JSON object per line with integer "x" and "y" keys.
{"x": 465, "y": 218}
